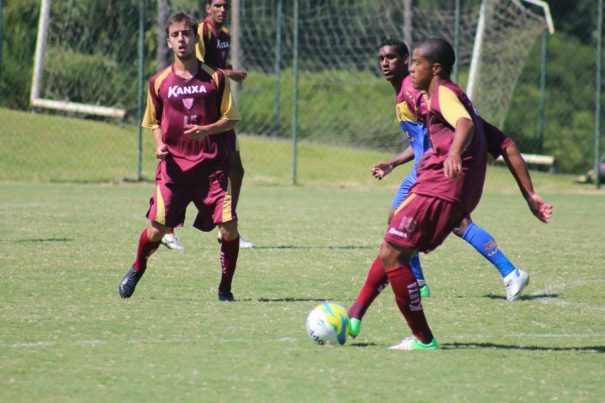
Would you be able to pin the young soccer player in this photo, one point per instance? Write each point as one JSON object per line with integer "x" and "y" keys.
{"x": 192, "y": 115}
{"x": 393, "y": 60}
{"x": 448, "y": 188}
{"x": 213, "y": 49}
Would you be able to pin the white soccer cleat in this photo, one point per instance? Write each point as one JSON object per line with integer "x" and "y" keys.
{"x": 413, "y": 344}
{"x": 172, "y": 241}
{"x": 514, "y": 283}
{"x": 244, "y": 243}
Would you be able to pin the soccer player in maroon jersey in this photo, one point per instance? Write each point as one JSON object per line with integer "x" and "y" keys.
{"x": 192, "y": 115}
{"x": 448, "y": 188}
{"x": 213, "y": 49}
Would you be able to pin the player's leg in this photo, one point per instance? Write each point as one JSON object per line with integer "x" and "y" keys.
{"x": 400, "y": 195}
{"x": 172, "y": 241}
{"x": 236, "y": 176}
{"x": 215, "y": 208}
{"x": 514, "y": 279}
{"x": 167, "y": 210}
{"x": 376, "y": 281}
{"x": 396, "y": 262}
{"x": 229, "y": 252}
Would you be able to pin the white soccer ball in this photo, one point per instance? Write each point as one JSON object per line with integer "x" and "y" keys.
{"x": 328, "y": 323}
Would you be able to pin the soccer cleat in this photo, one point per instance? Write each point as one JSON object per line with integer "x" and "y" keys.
{"x": 226, "y": 296}
{"x": 412, "y": 344}
{"x": 172, "y": 241}
{"x": 129, "y": 282}
{"x": 425, "y": 291}
{"x": 514, "y": 283}
{"x": 355, "y": 327}
{"x": 243, "y": 242}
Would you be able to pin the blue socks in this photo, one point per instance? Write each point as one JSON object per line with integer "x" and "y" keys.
{"x": 485, "y": 244}
{"x": 417, "y": 268}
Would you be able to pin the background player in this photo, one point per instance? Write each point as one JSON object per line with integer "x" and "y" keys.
{"x": 191, "y": 114}
{"x": 410, "y": 108}
{"x": 448, "y": 188}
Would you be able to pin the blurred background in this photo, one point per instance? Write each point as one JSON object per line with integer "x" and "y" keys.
{"x": 313, "y": 78}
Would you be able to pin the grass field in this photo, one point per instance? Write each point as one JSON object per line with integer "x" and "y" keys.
{"x": 65, "y": 335}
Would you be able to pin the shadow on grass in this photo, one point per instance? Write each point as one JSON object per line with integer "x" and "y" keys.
{"x": 524, "y": 297}
{"x": 291, "y": 299}
{"x": 39, "y": 240}
{"x": 316, "y": 247}
{"x": 466, "y": 346}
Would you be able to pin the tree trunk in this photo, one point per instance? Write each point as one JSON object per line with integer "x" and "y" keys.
{"x": 163, "y": 53}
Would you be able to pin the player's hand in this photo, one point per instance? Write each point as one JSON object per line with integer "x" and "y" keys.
{"x": 452, "y": 166}
{"x": 382, "y": 169}
{"x": 161, "y": 152}
{"x": 539, "y": 208}
{"x": 195, "y": 132}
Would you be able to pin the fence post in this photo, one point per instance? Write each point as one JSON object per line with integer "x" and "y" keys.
{"x": 542, "y": 91}
{"x": 141, "y": 86}
{"x": 295, "y": 96}
{"x": 277, "y": 69}
{"x": 597, "y": 125}
{"x": 457, "y": 40}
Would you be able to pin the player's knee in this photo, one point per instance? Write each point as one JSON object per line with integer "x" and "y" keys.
{"x": 461, "y": 228}
{"x": 393, "y": 257}
{"x": 229, "y": 230}
{"x": 156, "y": 231}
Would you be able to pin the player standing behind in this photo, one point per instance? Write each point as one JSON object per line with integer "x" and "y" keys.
{"x": 213, "y": 49}
{"x": 448, "y": 188}
{"x": 191, "y": 114}
{"x": 393, "y": 59}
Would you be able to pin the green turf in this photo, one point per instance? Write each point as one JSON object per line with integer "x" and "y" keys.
{"x": 65, "y": 335}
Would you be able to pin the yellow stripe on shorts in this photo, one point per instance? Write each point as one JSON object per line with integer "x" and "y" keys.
{"x": 160, "y": 210}
{"x": 405, "y": 203}
{"x": 226, "y": 214}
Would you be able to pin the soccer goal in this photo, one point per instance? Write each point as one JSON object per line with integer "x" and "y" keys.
{"x": 85, "y": 68}
{"x": 506, "y": 32}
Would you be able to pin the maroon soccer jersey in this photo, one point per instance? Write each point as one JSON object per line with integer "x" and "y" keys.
{"x": 448, "y": 104}
{"x": 214, "y": 44}
{"x": 172, "y": 103}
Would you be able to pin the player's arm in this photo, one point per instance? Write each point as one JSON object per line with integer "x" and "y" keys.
{"x": 518, "y": 168}
{"x": 226, "y": 122}
{"x": 161, "y": 150}
{"x": 152, "y": 118}
{"x": 457, "y": 117}
{"x": 235, "y": 75}
{"x": 384, "y": 168}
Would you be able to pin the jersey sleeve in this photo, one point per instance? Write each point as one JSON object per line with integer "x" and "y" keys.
{"x": 200, "y": 46}
{"x": 450, "y": 107}
{"x": 228, "y": 109}
{"x": 497, "y": 141}
{"x": 153, "y": 111}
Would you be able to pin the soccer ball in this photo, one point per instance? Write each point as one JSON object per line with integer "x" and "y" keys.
{"x": 328, "y": 323}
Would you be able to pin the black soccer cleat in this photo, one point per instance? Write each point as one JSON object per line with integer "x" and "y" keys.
{"x": 129, "y": 282}
{"x": 226, "y": 296}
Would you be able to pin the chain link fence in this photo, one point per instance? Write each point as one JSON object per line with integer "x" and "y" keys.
{"x": 91, "y": 57}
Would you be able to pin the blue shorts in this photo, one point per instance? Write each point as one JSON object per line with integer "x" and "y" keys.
{"x": 404, "y": 188}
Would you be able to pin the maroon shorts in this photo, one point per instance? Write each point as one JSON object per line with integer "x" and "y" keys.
{"x": 422, "y": 222}
{"x": 212, "y": 197}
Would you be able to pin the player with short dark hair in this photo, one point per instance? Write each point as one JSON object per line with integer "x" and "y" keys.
{"x": 213, "y": 49}
{"x": 192, "y": 115}
{"x": 449, "y": 184}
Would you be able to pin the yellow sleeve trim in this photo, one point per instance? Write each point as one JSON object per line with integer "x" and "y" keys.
{"x": 200, "y": 46}
{"x": 404, "y": 114}
{"x": 451, "y": 107}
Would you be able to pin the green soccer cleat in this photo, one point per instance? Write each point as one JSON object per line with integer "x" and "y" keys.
{"x": 412, "y": 344}
{"x": 355, "y": 327}
{"x": 425, "y": 291}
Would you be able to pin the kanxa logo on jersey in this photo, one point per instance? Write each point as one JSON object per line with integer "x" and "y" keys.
{"x": 177, "y": 91}
{"x": 222, "y": 44}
